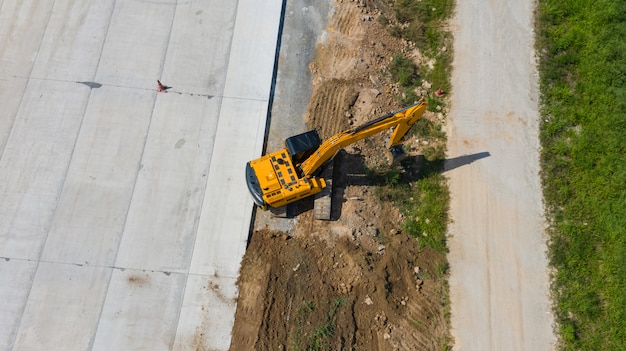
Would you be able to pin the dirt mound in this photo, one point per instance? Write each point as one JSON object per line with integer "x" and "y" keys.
{"x": 372, "y": 294}
{"x": 358, "y": 282}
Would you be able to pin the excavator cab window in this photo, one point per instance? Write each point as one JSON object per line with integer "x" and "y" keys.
{"x": 301, "y": 146}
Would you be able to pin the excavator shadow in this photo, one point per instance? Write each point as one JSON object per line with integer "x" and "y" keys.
{"x": 351, "y": 170}
{"x": 456, "y": 162}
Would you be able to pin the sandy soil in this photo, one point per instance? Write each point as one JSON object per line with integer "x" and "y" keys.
{"x": 499, "y": 277}
{"x": 357, "y": 282}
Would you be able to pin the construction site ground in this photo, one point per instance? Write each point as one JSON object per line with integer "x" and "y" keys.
{"x": 359, "y": 282}
{"x": 356, "y": 282}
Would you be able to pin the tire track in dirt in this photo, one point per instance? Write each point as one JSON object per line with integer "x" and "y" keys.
{"x": 342, "y": 51}
{"x": 330, "y": 104}
{"x": 347, "y": 22}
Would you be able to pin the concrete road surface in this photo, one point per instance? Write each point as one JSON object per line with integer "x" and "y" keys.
{"x": 124, "y": 212}
{"x": 499, "y": 275}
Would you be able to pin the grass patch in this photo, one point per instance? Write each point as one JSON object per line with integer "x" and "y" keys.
{"x": 423, "y": 201}
{"x": 427, "y": 216}
{"x": 426, "y": 129}
{"x": 403, "y": 71}
{"x": 423, "y": 22}
{"x": 583, "y": 136}
{"x": 317, "y": 337}
{"x": 423, "y": 198}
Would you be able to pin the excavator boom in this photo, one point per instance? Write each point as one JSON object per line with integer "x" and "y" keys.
{"x": 288, "y": 175}
{"x": 402, "y": 121}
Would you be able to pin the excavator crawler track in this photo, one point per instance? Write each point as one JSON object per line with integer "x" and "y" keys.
{"x": 322, "y": 205}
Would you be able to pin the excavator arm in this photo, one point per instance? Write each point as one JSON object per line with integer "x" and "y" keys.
{"x": 402, "y": 121}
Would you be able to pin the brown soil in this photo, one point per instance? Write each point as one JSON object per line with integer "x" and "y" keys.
{"x": 358, "y": 282}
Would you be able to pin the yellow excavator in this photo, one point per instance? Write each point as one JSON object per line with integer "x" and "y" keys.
{"x": 293, "y": 173}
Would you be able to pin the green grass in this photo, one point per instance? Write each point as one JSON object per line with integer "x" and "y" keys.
{"x": 426, "y": 217}
{"x": 424, "y": 201}
{"x": 424, "y": 198}
{"x": 423, "y": 23}
{"x": 404, "y": 71}
{"x": 583, "y": 136}
{"x": 426, "y": 129}
{"x": 317, "y": 338}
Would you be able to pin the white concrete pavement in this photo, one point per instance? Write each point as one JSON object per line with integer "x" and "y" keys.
{"x": 124, "y": 212}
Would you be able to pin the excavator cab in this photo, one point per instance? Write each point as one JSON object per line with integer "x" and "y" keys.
{"x": 301, "y": 146}
{"x": 282, "y": 180}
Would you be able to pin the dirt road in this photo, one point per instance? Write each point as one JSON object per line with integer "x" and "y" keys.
{"x": 499, "y": 277}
